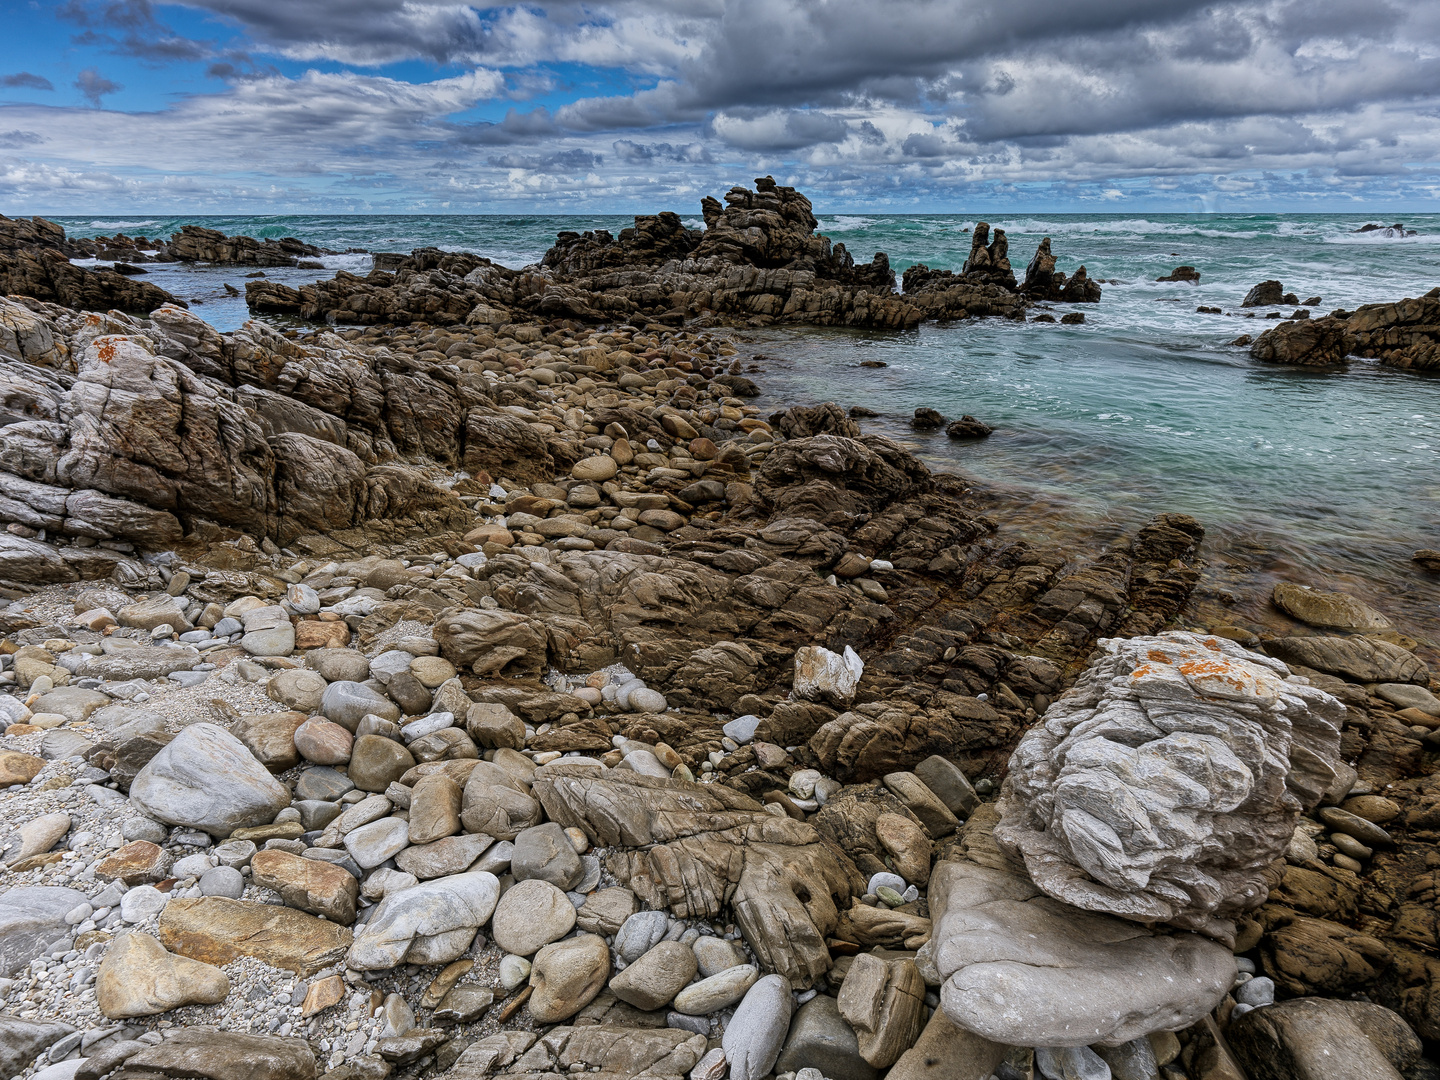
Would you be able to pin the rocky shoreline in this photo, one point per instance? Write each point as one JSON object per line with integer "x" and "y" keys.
{"x": 490, "y": 692}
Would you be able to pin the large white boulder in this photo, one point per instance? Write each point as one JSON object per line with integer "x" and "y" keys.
{"x": 206, "y": 779}
{"x": 1164, "y": 783}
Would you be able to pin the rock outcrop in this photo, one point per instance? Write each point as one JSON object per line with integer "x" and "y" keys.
{"x": 758, "y": 261}
{"x": 1404, "y": 334}
{"x": 1163, "y": 785}
{"x": 35, "y": 261}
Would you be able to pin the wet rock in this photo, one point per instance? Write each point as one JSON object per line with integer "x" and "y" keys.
{"x": 1172, "y": 712}
{"x": 206, "y": 779}
{"x": 1266, "y": 294}
{"x": 967, "y": 427}
{"x": 138, "y": 977}
{"x": 1327, "y": 610}
{"x": 1023, "y": 969}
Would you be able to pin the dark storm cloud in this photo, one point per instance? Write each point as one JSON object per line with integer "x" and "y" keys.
{"x": 629, "y": 150}
{"x": 94, "y": 86}
{"x": 27, "y": 80}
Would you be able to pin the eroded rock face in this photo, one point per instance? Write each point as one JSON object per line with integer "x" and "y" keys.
{"x": 695, "y": 849}
{"x": 1401, "y": 334}
{"x": 1167, "y": 779}
{"x": 1023, "y": 969}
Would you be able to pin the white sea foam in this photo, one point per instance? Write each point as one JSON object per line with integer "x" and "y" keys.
{"x": 122, "y": 224}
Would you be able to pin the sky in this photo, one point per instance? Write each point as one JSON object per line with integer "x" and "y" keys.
{"x": 921, "y": 106}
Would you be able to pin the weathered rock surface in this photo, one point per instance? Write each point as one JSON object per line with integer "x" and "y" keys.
{"x": 32, "y": 917}
{"x": 1162, "y": 786}
{"x": 1023, "y": 969}
{"x": 693, "y": 848}
{"x": 206, "y": 779}
{"x": 216, "y": 930}
{"x": 431, "y": 923}
{"x": 1320, "y": 1039}
{"x": 138, "y": 977}
{"x": 1402, "y": 334}
{"x": 1327, "y": 610}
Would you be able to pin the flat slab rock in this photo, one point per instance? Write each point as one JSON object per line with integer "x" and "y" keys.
{"x": 1023, "y": 969}
{"x": 695, "y": 848}
{"x": 1167, "y": 780}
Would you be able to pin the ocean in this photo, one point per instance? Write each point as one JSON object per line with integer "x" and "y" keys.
{"x": 1329, "y": 478}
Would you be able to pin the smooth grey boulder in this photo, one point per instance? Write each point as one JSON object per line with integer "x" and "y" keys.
{"x": 756, "y": 1032}
{"x": 820, "y": 1038}
{"x": 545, "y": 852}
{"x": 430, "y": 923}
{"x": 640, "y": 933}
{"x": 32, "y": 917}
{"x": 206, "y": 779}
{"x": 1023, "y": 969}
{"x": 346, "y": 703}
{"x": 1164, "y": 783}
{"x": 1359, "y": 659}
{"x": 21, "y": 1041}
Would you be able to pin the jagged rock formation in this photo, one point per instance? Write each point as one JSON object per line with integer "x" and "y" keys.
{"x": 196, "y": 244}
{"x": 696, "y": 849}
{"x": 1168, "y": 779}
{"x": 139, "y": 430}
{"x": 1404, "y": 334}
{"x": 35, "y": 261}
{"x": 758, "y": 261}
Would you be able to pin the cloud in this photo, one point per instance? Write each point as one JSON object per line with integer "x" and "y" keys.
{"x": 27, "y": 80}
{"x": 651, "y": 103}
{"x": 94, "y": 86}
{"x": 17, "y": 140}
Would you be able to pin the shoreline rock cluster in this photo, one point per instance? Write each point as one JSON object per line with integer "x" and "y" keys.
{"x": 1404, "y": 334}
{"x": 501, "y": 696}
{"x": 758, "y": 262}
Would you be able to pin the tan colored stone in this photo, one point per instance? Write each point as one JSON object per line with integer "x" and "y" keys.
{"x": 321, "y": 634}
{"x": 908, "y": 845}
{"x": 440, "y": 986}
{"x": 434, "y": 809}
{"x": 138, "y": 977}
{"x": 18, "y": 768}
{"x": 217, "y": 930}
{"x": 137, "y": 863}
{"x": 600, "y": 467}
{"x": 566, "y": 976}
{"x": 320, "y": 888}
{"x": 271, "y": 738}
{"x": 884, "y": 1002}
{"x": 322, "y": 994}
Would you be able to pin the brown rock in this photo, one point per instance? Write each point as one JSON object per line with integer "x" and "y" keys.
{"x": 494, "y": 726}
{"x": 1373, "y": 808}
{"x": 138, "y": 977}
{"x": 652, "y": 981}
{"x": 203, "y": 1052}
{"x": 322, "y": 994}
{"x": 321, "y": 634}
{"x": 376, "y": 762}
{"x": 18, "y": 768}
{"x": 1317, "y": 956}
{"x": 566, "y": 975}
{"x": 271, "y": 738}
{"x": 216, "y": 930}
{"x": 311, "y": 885}
{"x": 137, "y": 863}
{"x": 434, "y": 809}
{"x": 884, "y": 1002}
{"x": 323, "y": 742}
{"x": 908, "y": 845}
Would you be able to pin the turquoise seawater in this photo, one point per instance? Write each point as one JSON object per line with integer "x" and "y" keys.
{"x": 1329, "y": 478}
